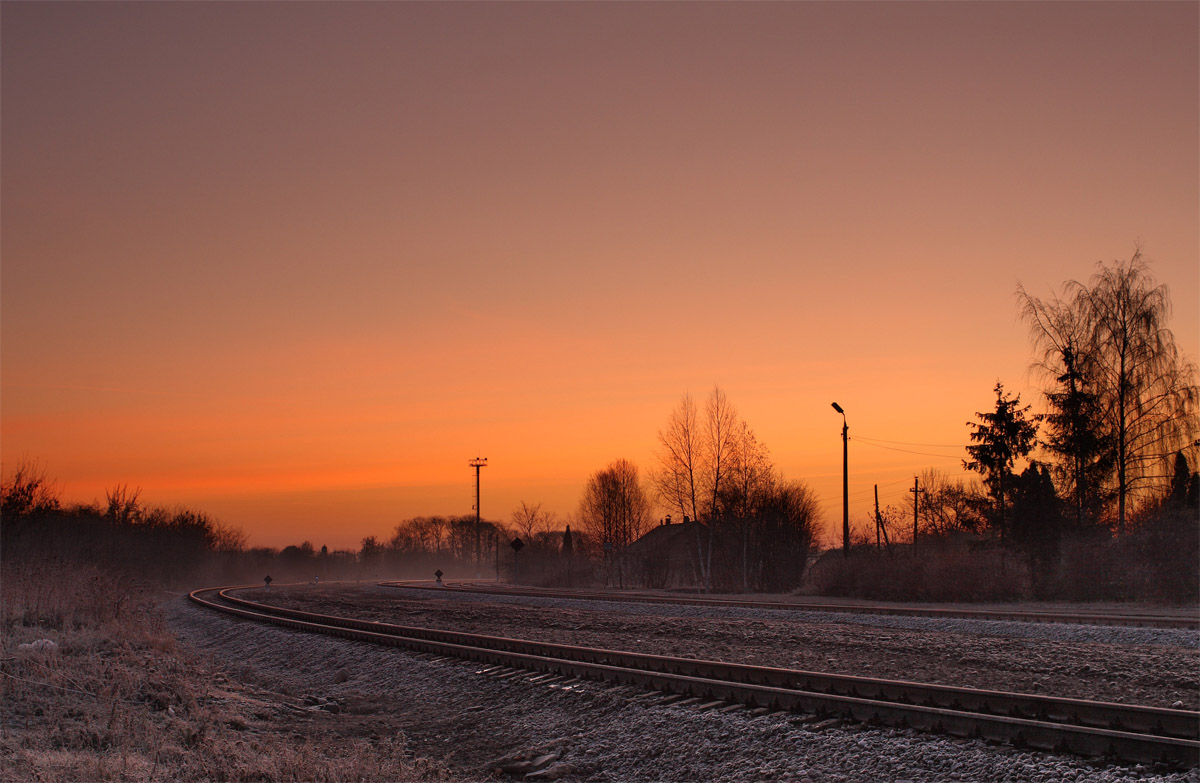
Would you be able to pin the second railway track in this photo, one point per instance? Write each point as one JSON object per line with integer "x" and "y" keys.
{"x": 1005, "y": 615}
{"x": 1088, "y": 728}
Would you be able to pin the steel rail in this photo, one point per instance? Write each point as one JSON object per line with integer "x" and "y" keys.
{"x": 1131, "y": 733}
{"x": 1170, "y": 722}
{"x": 1074, "y": 618}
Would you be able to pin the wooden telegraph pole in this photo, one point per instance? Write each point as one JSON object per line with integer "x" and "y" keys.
{"x": 916, "y": 490}
{"x": 877, "y": 525}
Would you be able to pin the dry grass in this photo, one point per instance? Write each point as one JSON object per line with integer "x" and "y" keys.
{"x": 943, "y": 575}
{"x": 1157, "y": 561}
{"x": 119, "y": 699}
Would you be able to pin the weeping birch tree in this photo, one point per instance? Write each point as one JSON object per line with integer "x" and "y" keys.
{"x": 1110, "y": 338}
{"x": 1077, "y": 434}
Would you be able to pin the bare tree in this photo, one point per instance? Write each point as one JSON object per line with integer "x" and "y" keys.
{"x": 750, "y": 478}
{"x": 946, "y": 506}
{"x": 787, "y": 524}
{"x": 615, "y": 511}
{"x": 27, "y": 492}
{"x": 694, "y": 464}
{"x": 226, "y": 538}
{"x": 721, "y": 426}
{"x": 722, "y": 430}
{"x": 437, "y": 532}
{"x": 123, "y": 505}
{"x": 531, "y": 521}
{"x": 680, "y": 468}
{"x": 680, "y": 458}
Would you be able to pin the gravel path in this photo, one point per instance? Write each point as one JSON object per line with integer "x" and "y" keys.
{"x": 1144, "y": 666}
{"x": 450, "y": 712}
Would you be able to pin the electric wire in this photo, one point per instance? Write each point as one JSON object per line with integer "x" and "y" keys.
{"x": 906, "y": 443}
{"x": 860, "y": 492}
{"x": 909, "y": 451}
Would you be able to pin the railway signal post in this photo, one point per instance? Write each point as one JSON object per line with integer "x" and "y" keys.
{"x": 477, "y": 463}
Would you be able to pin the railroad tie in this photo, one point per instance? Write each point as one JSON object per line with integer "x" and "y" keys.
{"x": 1141, "y": 734}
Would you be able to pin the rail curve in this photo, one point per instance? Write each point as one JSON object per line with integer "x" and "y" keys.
{"x": 1097, "y": 729}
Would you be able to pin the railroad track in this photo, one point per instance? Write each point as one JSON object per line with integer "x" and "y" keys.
{"x": 1076, "y": 618}
{"x": 1096, "y": 729}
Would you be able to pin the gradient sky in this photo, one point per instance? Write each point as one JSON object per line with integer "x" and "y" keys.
{"x": 294, "y": 264}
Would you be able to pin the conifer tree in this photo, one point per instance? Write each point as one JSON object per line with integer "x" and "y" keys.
{"x": 1078, "y": 436}
{"x": 1001, "y": 437}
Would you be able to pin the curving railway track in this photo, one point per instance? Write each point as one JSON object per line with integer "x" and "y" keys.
{"x": 1146, "y": 620}
{"x": 1095, "y": 729}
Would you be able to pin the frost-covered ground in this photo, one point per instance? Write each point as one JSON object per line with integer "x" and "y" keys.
{"x": 450, "y": 711}
{"x": 1101, "y": 663}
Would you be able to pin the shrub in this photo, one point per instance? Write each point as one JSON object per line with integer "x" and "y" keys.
{"x": 937, "y": 573}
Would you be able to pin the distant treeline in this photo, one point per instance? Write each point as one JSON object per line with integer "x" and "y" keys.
{"x": 1095, "y": 498}
{"x": 183, "y": 547}
{"x": 170, "y": 546}
{"x": 186, "y": 548}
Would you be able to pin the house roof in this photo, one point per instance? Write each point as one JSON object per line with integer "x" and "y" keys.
{"x": 668, "y": 536}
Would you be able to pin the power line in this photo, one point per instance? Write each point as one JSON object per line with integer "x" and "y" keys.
{"x": 859, "y": 492}
{"x": 907, "y": 451}
{"x": 906, "y": 443}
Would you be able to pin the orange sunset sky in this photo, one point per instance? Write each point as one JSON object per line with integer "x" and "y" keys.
{"x": 294, "y": 264}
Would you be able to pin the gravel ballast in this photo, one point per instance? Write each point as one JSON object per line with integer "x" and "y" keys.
{"x": 449, "y": 711}
{"x": 1103, "y": 634}
{"x": 1152, "y": 667}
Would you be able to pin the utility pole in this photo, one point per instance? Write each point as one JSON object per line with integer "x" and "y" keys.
{"x": 877, "y": 525}
{"x": 477, "y": 463}
{"x": 845, "y": 489}
{"x": 916, "y": 490}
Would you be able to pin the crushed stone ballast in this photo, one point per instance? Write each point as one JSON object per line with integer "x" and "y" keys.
{"x": 1095, "y": 729}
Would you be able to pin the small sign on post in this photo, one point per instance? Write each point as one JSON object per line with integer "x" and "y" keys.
{"x": 267, "y": 581}
{"x": 516, "y": 545}
{"x": 438, "y": 574}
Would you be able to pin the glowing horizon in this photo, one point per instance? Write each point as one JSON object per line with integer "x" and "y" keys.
{"x": 295, "y": 265}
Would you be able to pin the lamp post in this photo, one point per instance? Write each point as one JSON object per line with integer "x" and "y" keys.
{"x": 845, "y": 482}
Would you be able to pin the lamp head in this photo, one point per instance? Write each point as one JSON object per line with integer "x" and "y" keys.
{"x": 838, "y": 408}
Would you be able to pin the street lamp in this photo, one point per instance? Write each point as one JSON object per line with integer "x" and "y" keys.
{"x": 845, "y": 483}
